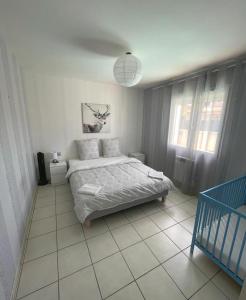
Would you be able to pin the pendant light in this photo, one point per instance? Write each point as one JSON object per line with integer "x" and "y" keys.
{"x": 127, "y": 70}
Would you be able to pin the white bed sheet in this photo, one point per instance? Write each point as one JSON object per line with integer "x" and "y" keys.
{"x": 123, "y": 180}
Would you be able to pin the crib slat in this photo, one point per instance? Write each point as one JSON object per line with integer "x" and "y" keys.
{"x": 200, "y": 216}
{"x": 233, "y": 241}
{"x": 216, "y": 234}
{"x": 210, "y": 225}
{"x": 225, "y": 235}
{"x": 204, "y": 220}
{"x": 240, "y": 254}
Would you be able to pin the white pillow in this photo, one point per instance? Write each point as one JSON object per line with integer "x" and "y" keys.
{"x": 88, "y": 149}
{"x": 111, "y": 147}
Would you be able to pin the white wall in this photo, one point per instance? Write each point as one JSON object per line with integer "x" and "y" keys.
{"x": 17, "y": 175}
{"x": 54, "y": 107}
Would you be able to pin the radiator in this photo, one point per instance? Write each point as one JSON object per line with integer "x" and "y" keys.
{"x": 182, "y": 169}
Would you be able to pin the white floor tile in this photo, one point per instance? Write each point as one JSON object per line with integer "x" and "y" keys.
{"x": 226, "y": 284}
{"x": 72, "y": 259}
{"x": 39, "y": 277}
{"x": 151, "y": 208}
{"x": 139, "y": 259}
{"x": 40, "y": 246}
{"x": 49, "y": 192}
{"x": 45, "y": 201}
{"x": 188, "y": 224}
{"x": 186, "y": 275}
{"x": 188, "y": 207}
{"x": 125, "y": 236}
{"x": 61, "y": 189}
{"x": 162, "y": 220}
{"x": 102, "y": 246}
{"x": 43, "y": 212}
{"x": 66, "y": 197}
{"x": 64, "y": 207}
{"x": 130, "y": 292}
{"x": 47, "y": 293}
{"x": 202, "y": 262}
{"x": 80, "y": 285}
{"x": 194, "y": 200}
{"x": 177, "y": 197}
{"x": 157, "y": 285}
{"x": 70, "y": 235}
{"x": 168, "y": 203}
{"x": 42, "y": 226}
{"x": 112, "y": 274}
{"x": 180, "y": 236}
{"x": 66, "y": 219}
{"x": 116, "y": 220}
{"x": 162, "y": 247}
{"x": 145, "y": 227}
{"x": 97, "y": 227}
{"x": 177, "y": 213}
{"x": 134, "y": 213}
{"x": 209, "y": 291}
{"x": 37, "y": 274}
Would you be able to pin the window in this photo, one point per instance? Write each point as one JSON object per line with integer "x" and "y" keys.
{"x": 196, "y": 121}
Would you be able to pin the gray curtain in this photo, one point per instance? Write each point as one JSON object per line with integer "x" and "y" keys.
{"x": 155, "y": 124}
{"x": 235, "y": 129}
{"x": 229, "y": 160}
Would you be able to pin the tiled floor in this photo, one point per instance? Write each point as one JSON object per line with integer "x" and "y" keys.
{"x": 141, "y": 253}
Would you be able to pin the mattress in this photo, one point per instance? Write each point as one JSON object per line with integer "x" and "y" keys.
{"x": 228, "y": 242}
{"x": 122, "y": 180}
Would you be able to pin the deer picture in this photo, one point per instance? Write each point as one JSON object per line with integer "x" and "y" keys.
{"x": 100, "y": 118}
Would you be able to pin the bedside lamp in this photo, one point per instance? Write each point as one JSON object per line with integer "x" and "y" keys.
{"x": 55, "y": 157}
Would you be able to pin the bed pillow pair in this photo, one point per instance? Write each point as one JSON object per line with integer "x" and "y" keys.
{"x": 89, "y": 149}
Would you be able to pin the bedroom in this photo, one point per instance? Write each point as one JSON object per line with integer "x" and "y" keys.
{"x": 143, "y": 106}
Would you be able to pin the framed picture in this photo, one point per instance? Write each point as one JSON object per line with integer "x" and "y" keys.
{"x": 95, "y": 118}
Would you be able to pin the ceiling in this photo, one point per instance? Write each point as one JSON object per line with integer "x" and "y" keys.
{"x": 81, "y": 38}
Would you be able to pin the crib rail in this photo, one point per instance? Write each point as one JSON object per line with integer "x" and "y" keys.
{"x": 220, "y": 229}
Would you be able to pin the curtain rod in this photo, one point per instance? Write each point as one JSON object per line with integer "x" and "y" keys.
{"x": 213, "y": 68}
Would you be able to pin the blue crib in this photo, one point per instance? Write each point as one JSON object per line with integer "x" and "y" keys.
{"x": 220, "y": 227}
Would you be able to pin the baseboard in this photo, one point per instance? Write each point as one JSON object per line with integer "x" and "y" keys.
{"x": 23, "y": 248}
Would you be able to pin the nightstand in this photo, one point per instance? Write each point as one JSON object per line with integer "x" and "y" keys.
{"x": 58, "y": 172}
{"x": 138, "y": 155}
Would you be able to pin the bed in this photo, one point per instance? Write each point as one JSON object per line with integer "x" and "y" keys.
{"x": 124, "y": 183}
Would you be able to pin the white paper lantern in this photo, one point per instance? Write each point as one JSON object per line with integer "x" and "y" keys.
{"x": 127, "y": 70}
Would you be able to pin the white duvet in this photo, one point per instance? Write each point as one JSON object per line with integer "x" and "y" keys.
{"x": 122, "y": 179}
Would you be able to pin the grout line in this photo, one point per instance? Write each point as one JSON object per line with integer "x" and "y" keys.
{"x": 120, "y": 251}
{"x": 125, "y": 286}
{"x": 33, "y": 259}
{"x": 36, "y": 236}
{"x": 130, "y": 223}
{"x": 134, "y": 280}
{"x": 91, "y": 237}
{"x": 174, "y": 281}
{"x": 45, "y": 286}
{"x": 92, "y": 264}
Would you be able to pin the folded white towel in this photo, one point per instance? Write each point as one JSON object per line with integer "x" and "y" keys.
{"x": 89, "y": 189}
{"x": 156, "y": 175}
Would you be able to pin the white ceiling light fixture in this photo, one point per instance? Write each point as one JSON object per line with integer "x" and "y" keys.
{"x": 128, "y": 70}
